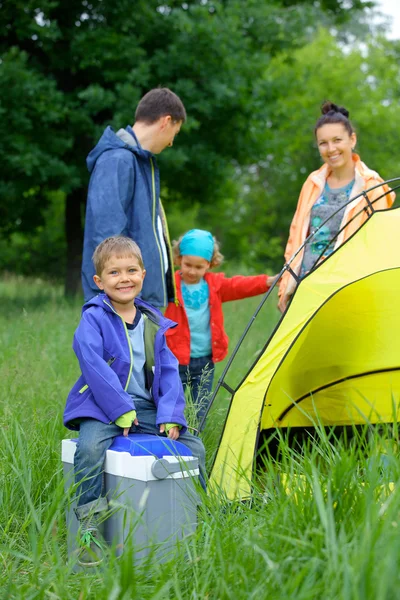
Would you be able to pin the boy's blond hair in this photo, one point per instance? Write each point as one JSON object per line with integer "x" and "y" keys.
{"x": 117, "y": 245}
{"x": 216, "y": 258}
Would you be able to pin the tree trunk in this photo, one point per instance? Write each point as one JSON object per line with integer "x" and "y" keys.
{"x": 74, "y": 236}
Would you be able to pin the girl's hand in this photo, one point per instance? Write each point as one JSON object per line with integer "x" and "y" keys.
{"x": 271, "y": 280}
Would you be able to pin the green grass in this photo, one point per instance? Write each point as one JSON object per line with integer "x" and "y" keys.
{"x": 323, "y": 522}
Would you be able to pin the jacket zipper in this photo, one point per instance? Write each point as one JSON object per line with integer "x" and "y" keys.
{"x": 153, "y": 189}
{"x": 171, "y": 258}
{"x": 129, "y": 345}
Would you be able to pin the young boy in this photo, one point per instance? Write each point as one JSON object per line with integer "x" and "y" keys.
{"x": 128, "y": 383}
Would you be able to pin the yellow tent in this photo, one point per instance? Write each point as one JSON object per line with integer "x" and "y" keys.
{"x": 335, "y": 352}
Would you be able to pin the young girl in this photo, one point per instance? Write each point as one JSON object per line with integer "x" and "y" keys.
{"x": 200, "y": 340}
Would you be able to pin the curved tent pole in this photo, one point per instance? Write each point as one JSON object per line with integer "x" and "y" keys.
{"x": 221, "y": 382}
{"x": 370, "y": 205}
{"x": 286, "y": 267}
{"x": 349, "y": 201}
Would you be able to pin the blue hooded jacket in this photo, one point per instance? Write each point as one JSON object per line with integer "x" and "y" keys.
{"x": 102, "y": 345}
{"x": 123, "y": 199}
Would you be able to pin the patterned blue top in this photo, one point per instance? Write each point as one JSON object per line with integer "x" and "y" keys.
{"x": 196, "y": 300}
{"x": 329, "y": 201}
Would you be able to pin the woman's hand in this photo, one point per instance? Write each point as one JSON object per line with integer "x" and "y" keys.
{"x": 283, "y": 302}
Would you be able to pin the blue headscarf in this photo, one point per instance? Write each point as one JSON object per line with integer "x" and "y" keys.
{"x": 197, "y": 242}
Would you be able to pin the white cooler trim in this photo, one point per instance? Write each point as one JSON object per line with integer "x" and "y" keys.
{"x": 124, "y": 464}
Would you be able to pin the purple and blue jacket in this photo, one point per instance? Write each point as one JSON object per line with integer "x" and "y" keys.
{"x": 102, "y": 346}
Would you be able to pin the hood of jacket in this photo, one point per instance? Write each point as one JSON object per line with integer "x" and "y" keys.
{"x": 111, "y": 140}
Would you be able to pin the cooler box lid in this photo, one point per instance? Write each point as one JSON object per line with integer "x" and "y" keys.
{"x": 144, "y": 444}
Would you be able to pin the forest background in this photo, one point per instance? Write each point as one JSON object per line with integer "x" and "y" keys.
{"x": 252, "y": 75}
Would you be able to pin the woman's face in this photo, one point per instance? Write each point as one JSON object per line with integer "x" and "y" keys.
{"x": 335, "y": 145}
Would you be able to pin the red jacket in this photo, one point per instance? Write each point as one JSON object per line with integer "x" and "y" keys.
{"x": 222, "y": 289}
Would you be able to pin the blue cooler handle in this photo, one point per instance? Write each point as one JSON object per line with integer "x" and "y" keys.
{"x": 161, "y": 468}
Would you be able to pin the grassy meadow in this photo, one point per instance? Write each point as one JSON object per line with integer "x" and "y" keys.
{"x": 324, "y": 522}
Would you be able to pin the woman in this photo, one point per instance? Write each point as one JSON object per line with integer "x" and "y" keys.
{"x": 343, "y": 176}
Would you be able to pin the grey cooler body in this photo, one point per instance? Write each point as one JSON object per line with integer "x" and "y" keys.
{"x": 151, "y": 493}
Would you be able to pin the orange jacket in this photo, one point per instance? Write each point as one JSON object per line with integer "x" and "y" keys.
{"x": 222, "y": 289}
{"x": 311, "y": 191}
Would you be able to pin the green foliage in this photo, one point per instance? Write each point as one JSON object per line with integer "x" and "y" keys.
{"x": 41, "y": 250}
{"x": 69, "y": 68}
{"x": 362, "y": 78}
{"x": 31, "y": 109}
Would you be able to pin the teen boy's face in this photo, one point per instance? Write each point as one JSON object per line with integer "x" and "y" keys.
{"x": 167, "y": 132}
{"x": 121, "y": 279}
{"x": 193, "y": 268}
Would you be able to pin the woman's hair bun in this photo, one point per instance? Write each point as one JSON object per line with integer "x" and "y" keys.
{"x": 330, "y": 107}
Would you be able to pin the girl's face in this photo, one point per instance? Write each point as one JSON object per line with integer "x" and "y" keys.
{"x": 193, "y": 268}
{"x": 335, "y": 145}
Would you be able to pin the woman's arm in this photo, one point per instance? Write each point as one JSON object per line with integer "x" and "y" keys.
{"x": 386, "y": 201}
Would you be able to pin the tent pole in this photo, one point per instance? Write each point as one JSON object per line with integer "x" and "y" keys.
{"x": 221, "y": 382}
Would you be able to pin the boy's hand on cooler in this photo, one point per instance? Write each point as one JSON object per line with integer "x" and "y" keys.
{"x": 125, "y": 421}
{"x": 271, "y": 280}
{"x": 171, "y": 429}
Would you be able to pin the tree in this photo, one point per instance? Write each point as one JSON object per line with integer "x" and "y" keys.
{"x": 68, "y": 69}
{"x": 365, "y": 80}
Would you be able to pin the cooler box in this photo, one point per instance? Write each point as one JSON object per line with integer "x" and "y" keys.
{"x": 150, "y": 485}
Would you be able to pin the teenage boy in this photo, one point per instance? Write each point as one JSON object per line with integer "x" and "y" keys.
{"x": 126, "y": 384}
{"x": 124, "y": 190}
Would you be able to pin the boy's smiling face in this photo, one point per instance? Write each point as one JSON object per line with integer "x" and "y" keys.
{"x": 121, "y": 279}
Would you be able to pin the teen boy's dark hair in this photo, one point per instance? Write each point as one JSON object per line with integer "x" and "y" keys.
{"x": 158, "y": 103}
